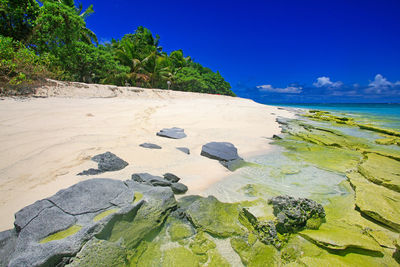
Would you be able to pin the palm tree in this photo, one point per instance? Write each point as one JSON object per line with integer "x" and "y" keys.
{"x": 87, "y": 35}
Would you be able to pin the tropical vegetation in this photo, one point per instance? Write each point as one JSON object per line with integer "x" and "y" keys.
{"x": 50, "y": 39}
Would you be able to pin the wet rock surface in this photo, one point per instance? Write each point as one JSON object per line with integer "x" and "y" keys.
{"x": 174, "y": 133}
{"x": 150, "y": 146}
{"x": 292, "y": 214}
{"x": 106, "y": 162}
{"x": 54, "y": 228}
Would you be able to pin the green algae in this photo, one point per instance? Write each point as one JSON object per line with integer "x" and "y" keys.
{"x": 215, "y": 217}
{"x": 258, "y": 254}
{"x": 179, "y": 231}
{"x": 340, "y": 237}
{"x": 180, "y": 257}
{"x": 326, "y": 116}
{"x": 62, "y": 234}
{"x": 100, "y": 253}
{"x": 201, "y": 244}
{"x": 137, "y": 197}
{"x": 381, "y": 170}
{"x": 216, "y": 260}
{"x": 329, "y": 158}
{"x": 138, "y": 224}
{"x": 146, "y": 254}
{"x": 377, "y": 202}
{"x": 104, "y": 214}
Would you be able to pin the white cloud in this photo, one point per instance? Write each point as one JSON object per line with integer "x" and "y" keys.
{"x": 381, "y": 85}
{"x": 287, "y": 90}
{"x": 326, "y": 82}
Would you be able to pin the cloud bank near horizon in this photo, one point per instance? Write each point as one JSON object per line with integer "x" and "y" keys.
{"x": 326, "y": 89}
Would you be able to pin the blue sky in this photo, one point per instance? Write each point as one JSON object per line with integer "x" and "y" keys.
{"x": 275, "y": 51}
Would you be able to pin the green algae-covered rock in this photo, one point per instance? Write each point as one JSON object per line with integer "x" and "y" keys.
{"x": 179, "y": 257}
{"x": 376, "y": 201}
{"x": 133, "y": 228}
{"x": 257, "y": 255}
{"x": 381, "y": 170}
{"x": 293, "y": 213}
{"x": 216, "y": 260}
{"x": 146, "y": 254}
{"x": 340, "y": 237}
{"x": 264, "y": 230}
{"x": 325, "y": 157}
{"x": 201, "y": 244}
{"x": 212, "y": 216}
{"x": 314, "y": 255}
{"x": 178, "y": 231}
{"x": 100, "y": 253}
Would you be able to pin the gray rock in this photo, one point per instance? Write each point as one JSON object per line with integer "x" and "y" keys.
{"x": 89, "y": 196}
{"x": 171, "y": 177}
{"x": 8, "y": 240}
{"x": 149, "y": 179}
{"x": 233, "y": 165}
{"x": 42, "y": 241}
{"x": 25, "y": 215}
{"x": 184, "y": 150}
{"x": 179, "y": 188}
{"x": 292, "y": 214}
{"x": 150, "y": 145}
{"x": 174, "y": 133}
{"x": 106, "y": 162}
{"x": 222, "y": 151}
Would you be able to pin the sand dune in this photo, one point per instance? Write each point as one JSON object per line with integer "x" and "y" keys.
{"x": 45, "y": 142}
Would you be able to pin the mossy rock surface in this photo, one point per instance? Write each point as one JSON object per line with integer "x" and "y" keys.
{"x": 381, "y": 170}
{"x": 257, "y": 255}
{"x": 375, "y": 201}
{"x": 178, "y": 231}
{"x": 325, "y": 157}
{"x": 201, "y": 244}
{"x": 340, "y": 237}
{"x": 215, "y": 217}
{"x": 100, "y": 253}
{"x": 180, "y": 257}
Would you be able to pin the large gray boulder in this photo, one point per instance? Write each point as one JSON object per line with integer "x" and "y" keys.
{"x": 106, "y": 162}
{"x": 8, "y": 241}
{"x": 54, "y": 229}
{"x": 222, "y": 151}
{"x": 174, "y": 133}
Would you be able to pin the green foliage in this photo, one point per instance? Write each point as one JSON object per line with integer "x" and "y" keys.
{"x": 55, "y": 36}
{"x": 17, "y": 18}
{"x": 20, "y": 67}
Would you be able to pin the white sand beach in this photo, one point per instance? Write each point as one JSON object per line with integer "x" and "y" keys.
{"x": 45, "y": 142}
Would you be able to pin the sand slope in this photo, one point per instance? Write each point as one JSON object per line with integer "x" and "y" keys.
{"x": 45, "y": 142}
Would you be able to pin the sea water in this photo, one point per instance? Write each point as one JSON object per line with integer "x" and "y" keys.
{"x": 385, "y": 115}
{"x": 276, "y": 174}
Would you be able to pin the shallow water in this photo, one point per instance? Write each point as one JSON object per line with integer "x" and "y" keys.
{"x": 277, "y": 175}
{"x": 385, "y": 115}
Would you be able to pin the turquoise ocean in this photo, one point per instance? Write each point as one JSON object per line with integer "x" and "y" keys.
{"x": 386, "y": 115}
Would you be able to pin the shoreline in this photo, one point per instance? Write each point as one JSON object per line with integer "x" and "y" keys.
{"x": 45, "y": 142}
